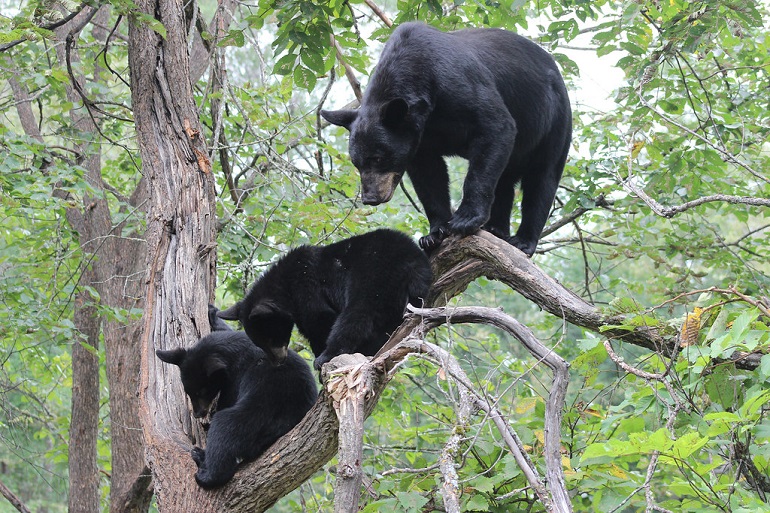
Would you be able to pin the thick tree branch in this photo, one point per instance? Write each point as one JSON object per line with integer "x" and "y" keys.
{"x": 459, "y": 261}
{"x": 349, "y": 387}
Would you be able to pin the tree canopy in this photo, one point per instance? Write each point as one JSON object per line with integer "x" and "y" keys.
{"x": 660, "y": 231}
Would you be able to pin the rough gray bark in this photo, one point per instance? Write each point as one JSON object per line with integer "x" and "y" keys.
{"x": 349, "y": 392}
{"x": 84, "y": 421}
{"x": 180, "y": 239}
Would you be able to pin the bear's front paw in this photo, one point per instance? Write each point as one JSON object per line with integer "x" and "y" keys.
{"x": 321, "y": 360}
{"x": 434, "y": 238}
{"x": 198, "y": 455}
{"x": 205, "y": 480}
{"x": 465, "y": 223}
{"x": 526, "y": 246}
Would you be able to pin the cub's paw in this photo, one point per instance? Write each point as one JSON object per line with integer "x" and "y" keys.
{"x": 198, "y": 455}
{"x": 321, "y": 360}
{"x": 205, "y": 480}
{"x": 528, "y": 247}
{"x": 434, "y": 238}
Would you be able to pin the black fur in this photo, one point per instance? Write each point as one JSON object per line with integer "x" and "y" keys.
{"x": 215, "y": 323}
{"x": 472, "y": 93}
{"x": 257, "y": 402}
{"x": 346, "y": 297}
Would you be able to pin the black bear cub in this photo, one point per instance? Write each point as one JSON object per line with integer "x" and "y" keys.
{"x": 346, "y": 297}
{"x": 488, "y": 95}
{"x": 257, "y": 402}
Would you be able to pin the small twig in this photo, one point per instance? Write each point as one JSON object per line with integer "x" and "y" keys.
{"x": 729, "y": 157}
{"x": 673, "y": 410}
{"x": 423, "y": 470}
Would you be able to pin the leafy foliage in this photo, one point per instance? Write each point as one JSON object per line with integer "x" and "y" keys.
{"x": 689, "y": 119}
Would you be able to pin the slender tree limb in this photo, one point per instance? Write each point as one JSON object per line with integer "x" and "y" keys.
{"x": 599, "y": 202}
{"x": 557, "y": 394}
{"x": 450, "y": 486}
{"x": 13, "y": 499}
{"x": 349, "y": 73}
{"x": 379, "y": 12}
{"x": 669, "y": 212}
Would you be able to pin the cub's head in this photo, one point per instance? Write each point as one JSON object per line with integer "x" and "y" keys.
{"x": 383, "y": 140}
{"x": 266, "y": 324}
{"x": 204, "y": 375}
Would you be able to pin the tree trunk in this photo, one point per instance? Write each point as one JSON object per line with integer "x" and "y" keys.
{"x": 84, "y": 423}
{"x": 130, "y": 490}
{"x": 180, "y": 239}
{"x": 118, "y": 274}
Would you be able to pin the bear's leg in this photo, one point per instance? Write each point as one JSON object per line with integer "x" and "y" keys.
{"x": 198, "y": 456}
{"x": 538, "y": 189}
{"x": 499, "y": 223}
{"x": 353, "y": 329}
{"x": 227, "y": 444}
{"x": 430, "y": 180}
{"x": 487, "y": 160}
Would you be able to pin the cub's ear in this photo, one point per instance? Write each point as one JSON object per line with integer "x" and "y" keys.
{"x": 231, "y": 314}
{"x": 394, "y": 113}
{"x": 172, "y": 356}
{"x": 214, "y": 363}
{"x": 265, "y": 308}
{"x": 344, "y": 117}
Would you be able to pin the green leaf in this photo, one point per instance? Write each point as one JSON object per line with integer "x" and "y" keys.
{"x": 304, "y": 77}
{"x": 411, "y": 501}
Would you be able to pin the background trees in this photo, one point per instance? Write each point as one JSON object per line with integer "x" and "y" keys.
{"x": 662, "y": 217}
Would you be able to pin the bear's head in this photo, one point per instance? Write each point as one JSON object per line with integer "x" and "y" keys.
{"x": 266, "y": 324}
{"x": 204, "y": 375}
{"x": 383, "y": 140}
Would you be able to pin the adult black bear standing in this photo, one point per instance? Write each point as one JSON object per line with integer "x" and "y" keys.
{"x": 258, "y": 402}
{"x": 488, "y": 95}
{"x": 346, "y": 297}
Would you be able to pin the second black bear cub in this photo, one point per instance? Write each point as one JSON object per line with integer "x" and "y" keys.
{"x": 257, "y": 402}
{"x": 346, "y": 297}
{"x": 488, "y": 95}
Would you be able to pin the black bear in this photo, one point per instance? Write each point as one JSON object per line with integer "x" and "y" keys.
{"x": 257, "y": 402}
{"x": 346, "y": 297}
{"x": 488, "y": 95}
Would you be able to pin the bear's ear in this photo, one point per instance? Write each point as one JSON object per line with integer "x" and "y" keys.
{"x": 394, "y": 113}
{"x": 214, "y": 363}
{"x": 231, "y": 314}
{"x": 344, "y": 117}
{"x": 172, "y": 356}
{"x": 266, "y": 308}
